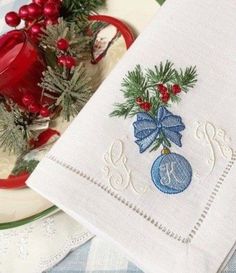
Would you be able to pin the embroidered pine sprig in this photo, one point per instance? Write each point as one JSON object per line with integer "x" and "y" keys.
{"x": 134, "y": 86}
{"x": 186, "y": 79}
{"x": 149, "y": 90}
{"x": 69, "y": 88}
{"x": 148, "y": 94}
{"x": 73, "y": 10}
{"x": 161, "y": 74}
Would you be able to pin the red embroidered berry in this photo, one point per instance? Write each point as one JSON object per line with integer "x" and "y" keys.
{"x": 34, "y": 10}
{"x": 176, "y": 89}
{"x": 162, "y": 88}
{"x": 44, "y": 112}
{"x": 23, "y": 12}
{"x": 139, "y": 100}
{"x": 51, "y": 10}
{"x": 12, "y": 19}
{"x": 63, "y": 44}
{"x": 34, "y": 108}
{"x": 165, "y": 97}
{"x": 146, "y": 106}
{"x": 28, "y": 99}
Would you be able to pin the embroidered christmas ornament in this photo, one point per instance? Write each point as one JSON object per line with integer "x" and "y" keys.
{"x": 148, "y": 95}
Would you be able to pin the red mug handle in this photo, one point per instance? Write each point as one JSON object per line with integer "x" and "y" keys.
{"x": 123, "y": 28}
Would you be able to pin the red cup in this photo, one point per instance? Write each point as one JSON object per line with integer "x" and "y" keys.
{"x": 21, "y": 67}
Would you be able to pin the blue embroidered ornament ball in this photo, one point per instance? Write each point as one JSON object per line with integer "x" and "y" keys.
{"x": 171, "y": 173}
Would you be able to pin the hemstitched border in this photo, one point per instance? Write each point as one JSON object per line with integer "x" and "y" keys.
{"x": 143, "y": 214}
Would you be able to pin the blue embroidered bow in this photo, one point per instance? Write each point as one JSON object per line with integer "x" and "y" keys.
{"x": 147, "y": 128}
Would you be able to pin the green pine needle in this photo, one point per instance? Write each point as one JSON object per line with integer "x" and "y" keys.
{"x": 75, "y": 33}
{"x": 24, "y": 166}
{"x": 161, "y": 74}
{"x": 73, "y": 10}
{"x": 187, "y": 78}
{"x": 138, "y": 84}
{"x": 70, "y": 89}
{"x": 14, "y": 131}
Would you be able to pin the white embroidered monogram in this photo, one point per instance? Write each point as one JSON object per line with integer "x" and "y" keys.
{"x": 107, "y": 184}
{"x": 116, "y": 169}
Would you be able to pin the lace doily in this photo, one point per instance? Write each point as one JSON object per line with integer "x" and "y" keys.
{"x": 38, "y": 246}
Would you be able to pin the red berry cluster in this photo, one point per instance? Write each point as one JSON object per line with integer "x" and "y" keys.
{"x": 145, "y": 105}
{"x": 165, "y": 93}
{"x": 164, "y": 96}
{"x": 64, "y": 60}
{"x": 37, "y": 15}
{"x": 33, "y": 107}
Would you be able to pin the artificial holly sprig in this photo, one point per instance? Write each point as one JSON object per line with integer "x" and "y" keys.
{"x": 149, "y": 90}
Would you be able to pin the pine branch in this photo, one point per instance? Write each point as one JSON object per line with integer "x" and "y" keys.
{"x": 24, "y": 166}
{"x": 73, "y": 10}
{"x": 186, "y": 79}
{"x": 144, "y": 86}
{"x": 134, "y": 85}
{"x": 162, "y": 74}
{"x": 14, "y": 130}
{"x": 70, "y": 89}
{"x": 75, "y": 33}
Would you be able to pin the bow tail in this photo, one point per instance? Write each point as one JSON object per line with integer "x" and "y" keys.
{"x": 147, "y": 141}
{"x": 174, "y": 137}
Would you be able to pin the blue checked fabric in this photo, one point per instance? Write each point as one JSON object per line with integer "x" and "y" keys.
{"x": 96, "y": 256}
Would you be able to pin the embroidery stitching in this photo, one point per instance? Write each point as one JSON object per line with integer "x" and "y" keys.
{"x": 185, "y": 240}
{"x": 214, "y": 138}
{"x": 147, "y": 96}
{"x": 117, "y": 171}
